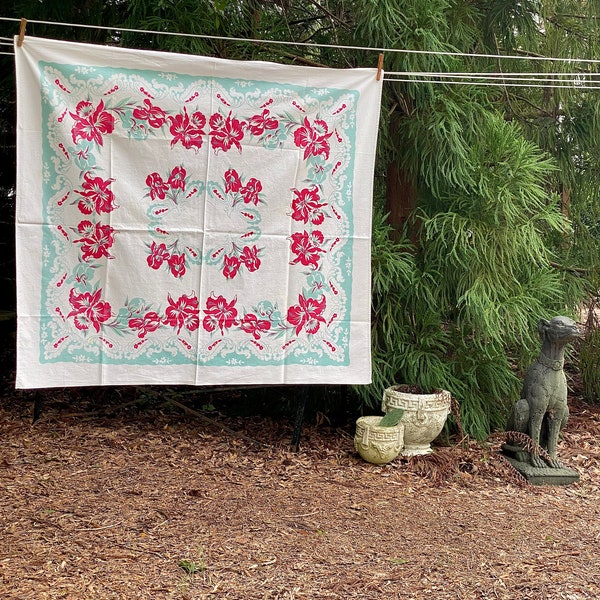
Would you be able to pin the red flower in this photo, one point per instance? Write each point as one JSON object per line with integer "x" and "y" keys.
{"x": 91, "y": 123}
{"x": 251, "y": 190}
{"x": 183, "y": 312}
{"x": 88, "y": 310}
{"x": 249, "y": 257}
{"x": 231, "y": 266}
{"x": 306, "y": 205}
{"x": 187, "y": 131}
{"x": 307, "y": 314}
{"x": 177, "y": 264}
{"x": 157, "y": 185}
{"x": 150, "y": 322}
{"x": 233, "y": 183}
{"x": 177, "y": 178}
{"x": 303, "y": 246}
{"x": 258, "y": 123}
{"x": 313, "y": 138}
{"x": 219, "y": 313}
{"x": 155, "y": 116}
{"x": 158, "y": 254}
{"x": 96, "y": 240}
{"x": 251, "y": 324}
{"x": 96, "y": 196}
{"x": 226, "y": 132}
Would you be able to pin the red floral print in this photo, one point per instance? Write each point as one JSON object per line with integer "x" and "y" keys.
{"x": 91, "y": 123}
{"x": 177, "y": 265}
{"x": 252, "y": 324}
{"x": 313, "y": 138}
{"x": 259, "y": 123}
{"x": 155, "y": 116}
{"x": 219, "y": 313}
{"x": 96, "y": 195}
{"x": 249, "y": 257}
{"x": 231, "y": 266}
{"x": 157, "y": 185}
{"x": 304, "y": 247}
{"x": 306, "y": 206}
{"x": 147, "y": 324}
{"x": 183, "y": 312}
{"x": 88, "y": 310}
{"x": 251, "y": 190}
{"x": 177, "y": 178}
{"x": 307, "y": 314}
{"x": 188, "y": 131}
{"x": 233, "y": 183}
{"x": 158, "y": 254}
{"x": 225, "y": 132}
{"x": 96, "y": 240}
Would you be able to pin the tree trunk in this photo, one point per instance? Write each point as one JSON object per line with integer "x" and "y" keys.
{"x": 401, "y": 197}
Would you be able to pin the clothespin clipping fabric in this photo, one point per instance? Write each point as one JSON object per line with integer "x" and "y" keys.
{"x": 379, "y": 66}
{"x": 21, "y": 32}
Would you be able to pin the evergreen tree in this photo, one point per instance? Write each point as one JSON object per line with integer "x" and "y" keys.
{"x": 486, "y": 205}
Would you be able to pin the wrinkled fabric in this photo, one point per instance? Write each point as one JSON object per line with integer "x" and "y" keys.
{"x": 188, "y": 220}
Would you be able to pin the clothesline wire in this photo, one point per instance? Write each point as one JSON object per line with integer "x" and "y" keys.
{"x": 496, "y": 83}
{"x": 310, "y": 44}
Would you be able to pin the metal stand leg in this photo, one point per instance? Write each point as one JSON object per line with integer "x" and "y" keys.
{"x": 300, "y": 407}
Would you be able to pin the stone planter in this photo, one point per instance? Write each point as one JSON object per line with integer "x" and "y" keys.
{"x": 377, "y": 444}
{"x": 424, "y": 415}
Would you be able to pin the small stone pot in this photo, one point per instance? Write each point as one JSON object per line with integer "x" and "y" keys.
{"x": 424, "y": 415}
{"x": 377, "y": 444}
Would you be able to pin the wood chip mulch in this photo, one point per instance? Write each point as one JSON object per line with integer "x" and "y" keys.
{"x": 148, "y": 502}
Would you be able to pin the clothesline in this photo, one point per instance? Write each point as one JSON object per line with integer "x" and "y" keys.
{"x": 310, "y": 44}
{"x": 548, "y": 80}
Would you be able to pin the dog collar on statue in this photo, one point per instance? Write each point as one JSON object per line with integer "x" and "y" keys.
{"x": 555, "y": 365}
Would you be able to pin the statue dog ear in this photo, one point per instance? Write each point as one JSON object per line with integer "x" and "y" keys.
{"x": 543, "y": 326}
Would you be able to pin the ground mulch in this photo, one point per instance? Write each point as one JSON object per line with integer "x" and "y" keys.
{"x": 130, "y": 500}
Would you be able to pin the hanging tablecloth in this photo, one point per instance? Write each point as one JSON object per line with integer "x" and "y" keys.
{"x": 188, "y": 220}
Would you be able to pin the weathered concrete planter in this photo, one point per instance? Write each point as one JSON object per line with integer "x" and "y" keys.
{"x": 424, "y": 415}
{"x": 377, "y": 444}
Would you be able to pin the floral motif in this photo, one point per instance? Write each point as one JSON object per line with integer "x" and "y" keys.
{"x": 313, "y": 138}
{"x": 306, "y": 247}
{"x": 158, "y": 186}
{"x": 158, "y": 255}
{"x": 219, "y": 314}
{"x": 306, "y": 206}
{"x": 88, "y": 310}
{"x": 225, "y": 132}
{"x": 307, "y": 314}
{"x": 187, "y": 130}
{"x": 96, "y": 240}
{"x": 183, "y": 312}
{"x": 147, "y": 324}
{"x": 172, "y": 188}
{"x": 258, "y": 124}
{"x": 155, "y": 115}
{"x": 91, "y": 123}
{"x": 252, "y": 324}
{"x": 237, "y": 191}
{"x": 96, "y": 196}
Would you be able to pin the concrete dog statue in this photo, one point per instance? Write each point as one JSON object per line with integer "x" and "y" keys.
{"x": 542, "y": 411}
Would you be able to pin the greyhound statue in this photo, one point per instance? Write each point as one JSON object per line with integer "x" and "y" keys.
{"x": 542, "y": 411}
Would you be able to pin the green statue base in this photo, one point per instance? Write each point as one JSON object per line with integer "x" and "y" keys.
{"x": 519, "y": 459}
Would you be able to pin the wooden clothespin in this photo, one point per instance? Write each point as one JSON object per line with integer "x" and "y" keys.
{"x": 379, "y": 66}
{"x": 21, "y": 32}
